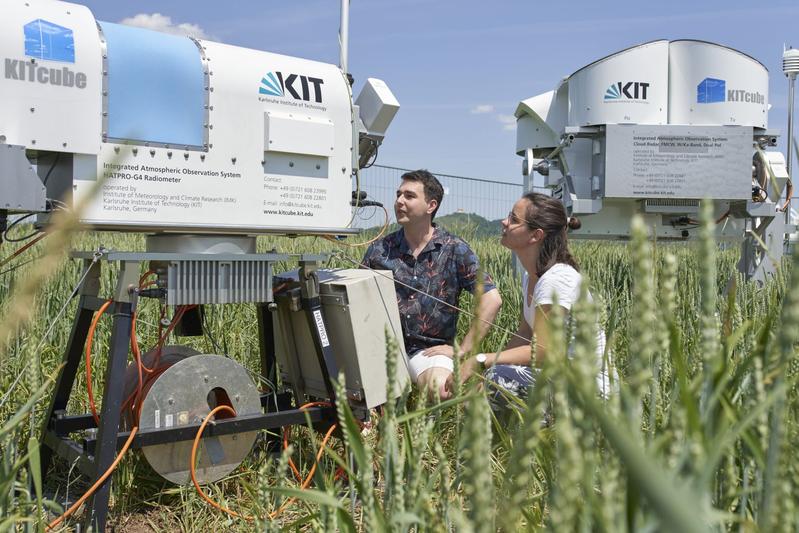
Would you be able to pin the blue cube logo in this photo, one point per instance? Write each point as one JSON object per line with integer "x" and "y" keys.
{"x": 710, "y": 91}
{"x": 48, "y": 41}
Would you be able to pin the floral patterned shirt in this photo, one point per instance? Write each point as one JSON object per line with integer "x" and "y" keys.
{"x": 443, "y": 269}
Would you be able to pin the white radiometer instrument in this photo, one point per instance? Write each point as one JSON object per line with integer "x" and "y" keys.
{"x": 187, "y": 135}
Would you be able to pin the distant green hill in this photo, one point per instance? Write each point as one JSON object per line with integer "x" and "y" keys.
{"x": 466, "y": 225}
{"x": 470, "y": 225}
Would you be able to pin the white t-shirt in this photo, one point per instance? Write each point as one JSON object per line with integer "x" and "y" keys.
{"x": 564, "y": 281}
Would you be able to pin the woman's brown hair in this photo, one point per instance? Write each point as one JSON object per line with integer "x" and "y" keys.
{"x": 548, "y": 214}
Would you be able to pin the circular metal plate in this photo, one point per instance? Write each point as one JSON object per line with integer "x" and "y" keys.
{"x": 184, "y": 394}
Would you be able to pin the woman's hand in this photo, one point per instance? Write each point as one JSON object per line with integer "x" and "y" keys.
{"x": 469, "y": 367}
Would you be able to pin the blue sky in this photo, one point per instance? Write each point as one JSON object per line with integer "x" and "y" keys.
{"x": 459, "y": 68}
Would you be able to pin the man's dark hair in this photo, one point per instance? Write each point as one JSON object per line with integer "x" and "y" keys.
{"x": 432, "y": 187}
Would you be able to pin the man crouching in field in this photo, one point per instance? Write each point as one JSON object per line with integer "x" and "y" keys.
{"x": 430, "y": 266}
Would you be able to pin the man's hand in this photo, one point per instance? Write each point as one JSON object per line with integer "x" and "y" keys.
{"x": 441, "y": 349}
{"x": 469, "y": 367}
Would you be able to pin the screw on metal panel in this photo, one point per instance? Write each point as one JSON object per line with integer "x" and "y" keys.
{"x": 171, "y": 401}
{"x": 152, "y": 152}
{"x": 211, "y": 108}
{"x": 169, "y": 155}
{"x": 33, "y": 141}
{"x": 64, "y": 145}
{"x": 291, "y": 163}
{"x": 205, "y": 379}
{"x": 263, "y": 162}
{"x": 344, "y": 169}
{"x": 237, "y": 397}
{"x": 272, "y": 306}
{"x": 135, "y": 151}
{"x": 318, "y": 167}
{"x": 186, "y": 156}
{"x": 202, "y": 157}
{"x": 2, "y": 138}
{"x": 33, "y": 109}
{"x": 105, "y": 113}
{"x": 116, "y": 149}
{"x": 233, "y": 160}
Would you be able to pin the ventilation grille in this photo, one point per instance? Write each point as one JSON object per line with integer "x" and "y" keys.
{"x": 671, "y": 205}
{"x": 218, "y": 282}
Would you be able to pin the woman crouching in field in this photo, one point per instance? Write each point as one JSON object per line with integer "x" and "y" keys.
{"x": 535, "y": 230}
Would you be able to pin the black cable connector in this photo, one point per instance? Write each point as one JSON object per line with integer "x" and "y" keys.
{"x": 157, "y": 292}
{"x": 3, "y": 223}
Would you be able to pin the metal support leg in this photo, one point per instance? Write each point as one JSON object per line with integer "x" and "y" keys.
{"x": 266, "y": 340}
{"x": 72, "y": 357}
{"x": 312, "y": 305}
{"x": 110, "y": 412}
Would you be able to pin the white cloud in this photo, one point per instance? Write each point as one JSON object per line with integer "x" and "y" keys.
{"x": 164, "y": 24}
{"x": 508, "y": 122}
{"x": 482, "y": 109}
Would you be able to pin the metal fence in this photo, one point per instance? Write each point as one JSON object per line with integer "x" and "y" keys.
{"x": 489, "y": 199}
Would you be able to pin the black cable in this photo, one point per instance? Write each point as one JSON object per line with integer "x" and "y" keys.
{"x": 52, "y": 166}
{"x": 15, "y": 223}
{"x": 374, "y": 157}
{"x": 207, "y": 330}
{"x": 13, "y": 268}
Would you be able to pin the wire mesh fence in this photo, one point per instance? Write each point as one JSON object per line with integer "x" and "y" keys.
{"x": 486, "y": 198}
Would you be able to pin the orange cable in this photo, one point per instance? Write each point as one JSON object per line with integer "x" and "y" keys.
{"x": 23, "y": 248}
{"x": 359, "y": 244}
{"x": 89, "y": 341}
{"x": 195, "y": 445}
{"x": 287, "y": 431}
{"x": 97, "y": 483}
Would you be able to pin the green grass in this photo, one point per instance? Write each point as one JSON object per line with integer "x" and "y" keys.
{"x": 700, "y": 436}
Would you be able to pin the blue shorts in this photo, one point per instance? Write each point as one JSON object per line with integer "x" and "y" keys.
{"x": 505, "y": 380}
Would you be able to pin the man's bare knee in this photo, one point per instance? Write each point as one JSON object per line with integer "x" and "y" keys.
{"x": 433, "y": 382}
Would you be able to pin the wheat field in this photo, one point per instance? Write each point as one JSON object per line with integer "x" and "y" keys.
{"x": 701, "y": 435}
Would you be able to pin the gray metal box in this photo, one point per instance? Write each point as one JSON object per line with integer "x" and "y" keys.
{"x": 359, "y": 307}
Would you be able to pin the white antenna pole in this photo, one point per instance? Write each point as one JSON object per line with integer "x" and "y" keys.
{"x": 343, "y": 34}
{"x": 790, "y": 66}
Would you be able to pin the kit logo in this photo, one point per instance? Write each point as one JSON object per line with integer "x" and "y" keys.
{"x": 712, "y": 91}
{"x": 46, "y": 41}
{"x": 630, "y": 90}
{"x": 297, "y": 86}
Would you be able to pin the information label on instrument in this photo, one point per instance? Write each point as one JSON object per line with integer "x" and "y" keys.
{"x": 651, "y": 161}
